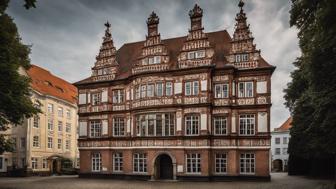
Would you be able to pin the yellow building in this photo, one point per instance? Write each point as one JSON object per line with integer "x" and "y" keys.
{"x": 46, "y": 143}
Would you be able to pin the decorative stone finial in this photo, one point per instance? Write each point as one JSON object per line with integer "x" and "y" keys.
{"x": 196, "y": 12}
{"x": 241, "y": 4}
{"x": 153, "y": 19}
{"x": 107, "y": 24}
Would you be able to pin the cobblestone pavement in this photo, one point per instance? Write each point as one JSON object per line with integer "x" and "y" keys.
{"x": 279, "y": 181}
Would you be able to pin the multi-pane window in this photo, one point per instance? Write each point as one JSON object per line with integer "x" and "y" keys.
{"x": 220, "y": 125}
{"x": 68, "y": 127}
{"x": 159, "y": 89}
{"x": 161, "y": 124}
{"x": 117, "y": 162}
{"x": 277, "y": 140}
{"x": 193, "y": 161}
{"x": 67, "y": 144}
{"x": 36, "y": 141}
{"x": 247, "y": 163}
{"x": 68, "y": 114}
{"x": 247, "y": 124}
{"x": 118, "y": 96}
{"x": 50, "y": 108}
{"x": 50, "y": 124}
{"x": 221, "y": 163}
{"x": 245, "y": 89}
{"x": 143, "y": 91}
{"x": 153, "y": 60}
{"x": 221, "y": 90}
{"x": 196, "y": 54}
{"x": 140, "y": 163}
{"x": 169, "y": 88}
{"x": 96, "y": 98}
{"x": 34, "y": 162}
{"x": 118, "y": 126}
{"x": 44, "y": 163}
{"x": 284, "y": 151}
{"x": 60, "y": 112}
{"x": 192, "y": 124}
{"x": 277, "y": 151}
{"x": 95, "y": 128}
{"x": 285, "y": 140}
{"x": 241, "y": 57}
{"x": 96, "y": 162}
{"x": 36, "y": 121}
{"x": 137, "y": 92}
{"x": 50, "y": 142}
{"x": 60, "y": 126}
{"x": 191, "y": 88}
{"x": 59, "y": 143}
{"x": 150, "y": 90}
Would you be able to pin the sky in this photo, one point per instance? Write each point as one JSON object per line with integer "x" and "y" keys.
{"x": 65, "y": 36}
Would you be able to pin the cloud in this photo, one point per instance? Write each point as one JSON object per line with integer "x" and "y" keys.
{"x": 66, "y": 35}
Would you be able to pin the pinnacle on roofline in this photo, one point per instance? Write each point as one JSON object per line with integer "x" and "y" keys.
{"x": 241, "y": 4}
{"x": 196, "y": 12}
{"x": 153, "y": 19}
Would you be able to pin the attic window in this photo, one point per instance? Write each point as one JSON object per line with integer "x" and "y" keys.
{"x": 60, "y": 89}
{"x": 48, "y": 83}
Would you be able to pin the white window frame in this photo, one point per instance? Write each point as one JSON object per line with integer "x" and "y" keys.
{"x": 60, "y": 126}
{"x": 36, "y": 141}
{"x": 118, "y": 126}
{"x": 159, "y": 89}
{"x": 191, "y": 88}
{"x": 60, "y": 112}
{"x": 34, "y": 162}
{"x": 118, "y": 96}
{"x": 221, "y": 163}
{"x": 247, "y": 124}
{"x": 36, "y": 121}
{"x": 68, "y": 127}
{"x": 277, "y": 151}
{"x": 193, "y": 163}
{"x": 150, "y": 90}
{"x": 118, "y": 162}
{"x": 50, "y": 124}
{"x": 67, "y": 144}
{"x": 222, "y": 90}
{"x": 59, "y": 143}
{"x": 44, "y": 163}
{"x": 157, "y": 60}
{"x": 96, "y": 128}
{"x": 68, "y": 114}
{"x": 192, "y": 125}
{"x": 246, "y": 89}
{"x": 247, "y": 163}
{"x": 169, "y": 88}
{"x": 139, "y": 163}
{"x": 220, "y": 125}
{"x": 96, "y": 98}
{"x": 50, "y": 142}
{"x": 96, "y": 162}
{"x": 277, "y": 140}
{"x": 50, "y": 108}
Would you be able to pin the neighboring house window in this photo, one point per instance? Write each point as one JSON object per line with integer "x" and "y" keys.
{"x": 285, "y": 140}
{"x": 96, "y": 98}
{"x": 245, "y": 89}
{"x": 96, "y": 162}
{"x": 277, "y": 151}
{"x": 169, "y": 88}
{"x": 221, "y": 90}
{"x": 50, "y": 124}
{"x": 191, "y": 88}
{"x": 44, "y": 163}
{"x": 277, "y": 140}
{"x": 36, "y": 121}
{"x": 159, "y": 89}
{"x": 118, "y": 96}
{"x": 220, "y": 124}
{"x": 284, "y": 151}
{"x": 50, "y": 108}
{"x": 193, "y": 161}
{"x": 95, "y": 128}
{"x": 60, "y": 126}
{"x": 247, "y": 163}
{"x": 68, "y": 127}
{"x": 221, "y": 163}
{"x": 59, "y": 143}
{"x": 192, "y": 124}
{"x": 68, "y": 114}
{"x": 67, "y": 144}
{"x": 118, "y": 126}
{"x": 60, "y": 112}
{"x": 34, "y": 162}
{"x": 117, "y": 162}
{"x": 247, "y": 124}
{"x": 36, "y": 141}
{"x": 23, "y": 142}
{"x": 140, "y": 163}
{"x": 150, "y": 90}
{"x": 50, "y": 142}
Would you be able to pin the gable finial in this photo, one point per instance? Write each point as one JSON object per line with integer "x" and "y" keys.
{"x": 241, "y": 4}
{"x": 196, "y": 12}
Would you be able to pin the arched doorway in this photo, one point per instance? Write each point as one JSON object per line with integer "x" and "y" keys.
{"x": 277, "y": 165}
{"x": 164, "y": 167}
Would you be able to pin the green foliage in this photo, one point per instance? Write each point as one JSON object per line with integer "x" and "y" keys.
{"x": 15, "y": 102}
{"x": 311, "y": 95}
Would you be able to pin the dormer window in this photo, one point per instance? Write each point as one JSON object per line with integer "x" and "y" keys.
{"x": 196, "y": 54}
{"x": 241, "y": 57}
{"x": 154, "y": 60}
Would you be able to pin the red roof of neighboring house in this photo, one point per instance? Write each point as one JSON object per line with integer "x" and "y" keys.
{"x": 46, "y": 83}
{"x": 285, "y": 126}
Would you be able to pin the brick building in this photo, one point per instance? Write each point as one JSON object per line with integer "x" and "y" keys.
{"x": 191, "y": 107}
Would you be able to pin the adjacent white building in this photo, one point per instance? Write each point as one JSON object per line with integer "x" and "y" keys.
{"x": 279, "y": 145}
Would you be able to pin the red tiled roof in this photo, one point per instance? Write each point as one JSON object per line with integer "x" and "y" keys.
{"x": 128, "y": 54}
{"x": 46, "y": 83}
{"x": 285, "y": 126}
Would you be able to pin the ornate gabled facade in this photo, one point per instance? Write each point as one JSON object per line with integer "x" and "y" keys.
{"x": 106, "y": 65}
{"x": 179, "y": 108}
{"x": 243, "y": 53}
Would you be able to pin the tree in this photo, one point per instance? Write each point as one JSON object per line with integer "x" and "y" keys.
{"x": 311, "y": 95}
{"x": 15, "y": 102}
